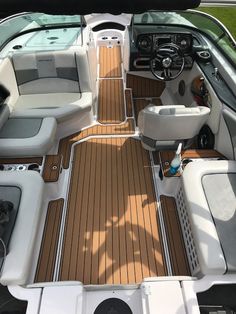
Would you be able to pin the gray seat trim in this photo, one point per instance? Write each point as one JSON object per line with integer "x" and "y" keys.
{"x": 25, "y": 76}
{"x": 31, "y": 67}
{"x": 37, "y": 145}
{"x": 21, "y": 128}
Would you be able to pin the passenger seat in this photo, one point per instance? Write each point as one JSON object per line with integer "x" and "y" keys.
{"x": 52, "y": 84}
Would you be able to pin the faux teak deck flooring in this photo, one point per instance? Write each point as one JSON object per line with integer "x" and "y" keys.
{"x": 111, "y": 234}
{"x": 110, "y": 62}
{"x": 66, "y": 143}
{"x": 178, "y": 256}
{"x": 47, "y": 257}
{"x": 111, "y": 101}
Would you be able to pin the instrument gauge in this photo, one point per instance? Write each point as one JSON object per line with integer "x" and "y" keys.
{"x": 183, "y": 43}
{"x": 145, "y": 43}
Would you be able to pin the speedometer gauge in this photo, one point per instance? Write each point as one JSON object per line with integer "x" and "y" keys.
{"x": 145, "y": 43}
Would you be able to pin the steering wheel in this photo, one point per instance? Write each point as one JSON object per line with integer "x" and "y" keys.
{"x": 165, "y": 59}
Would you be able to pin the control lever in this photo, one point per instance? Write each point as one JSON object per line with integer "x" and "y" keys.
{"x": 204, "y": 93}
{"x": 203, "y": 89}
{"x": 216, "y": 73}
{"x": 200, "y": 91}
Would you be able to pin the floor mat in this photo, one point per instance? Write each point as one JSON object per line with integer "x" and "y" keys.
{"x": 110, "y": 62}
{"x": 144, "y": 87}
{"x": 112, "y": 232}
{"x": 48, "y": 251}
{"x": 111, "y": 101}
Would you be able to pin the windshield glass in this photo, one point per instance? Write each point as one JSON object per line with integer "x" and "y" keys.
{"x": 198, "y": 20}
{"x": 20, "y": 23}
{"x": 45, "y": 20}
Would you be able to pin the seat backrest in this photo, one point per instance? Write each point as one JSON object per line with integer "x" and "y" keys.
{"x": 4, "y": 110}
{"x": 8, "y": 89}
{"x": 46, "y": 72}
{"x": 165, "y": 123}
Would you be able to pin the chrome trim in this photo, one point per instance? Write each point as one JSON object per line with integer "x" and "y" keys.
{"x": 141, "y": 66}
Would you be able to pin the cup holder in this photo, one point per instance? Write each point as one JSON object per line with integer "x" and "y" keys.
{"x": 21, "y": 168}
{"x": 186, "y": 161}
{"x": 17, "y": 167}
{"x": 10, "y": 168}
{"x": 34, "y": 167}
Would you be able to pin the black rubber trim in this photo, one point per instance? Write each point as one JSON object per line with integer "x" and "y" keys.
{"x": 108, "y": 25}
{"x": 113, "y": 305}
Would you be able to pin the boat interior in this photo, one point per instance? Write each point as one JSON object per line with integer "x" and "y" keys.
{"x": 90, "y": 119}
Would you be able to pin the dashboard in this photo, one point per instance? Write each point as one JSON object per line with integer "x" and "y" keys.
{"x": 147, "y": 43}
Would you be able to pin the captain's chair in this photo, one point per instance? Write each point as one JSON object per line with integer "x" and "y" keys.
{"x": 164, "y": 126}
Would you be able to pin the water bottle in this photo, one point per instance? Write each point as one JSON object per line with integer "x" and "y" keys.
{"x": 175, "y": 163}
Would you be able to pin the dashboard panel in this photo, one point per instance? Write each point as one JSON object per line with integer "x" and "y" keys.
{"x": 147, "y": 43}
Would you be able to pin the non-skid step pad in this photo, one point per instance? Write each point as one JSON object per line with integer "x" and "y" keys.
{"x": 110, "y": 62}
{"x": 111, "y": 101}
{"x": 47, "y": 256}
{"x": 178, "y": 256}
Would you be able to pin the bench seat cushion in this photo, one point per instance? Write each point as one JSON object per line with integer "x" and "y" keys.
{"x": 220, "y": 192}
{"x": 212, "y": 248}
{"x": 59, "y": 105}
{"x": 27, "y": 137}
{"x": 18, "y": 262}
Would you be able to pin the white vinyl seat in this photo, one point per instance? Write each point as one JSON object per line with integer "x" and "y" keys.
{"x": 167, "y": 124}
{"x": 18, "y": 262}
{"x": 210, "y": 196}
{"x": 48, "y": 84}
{"x": 61, "y": 106}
